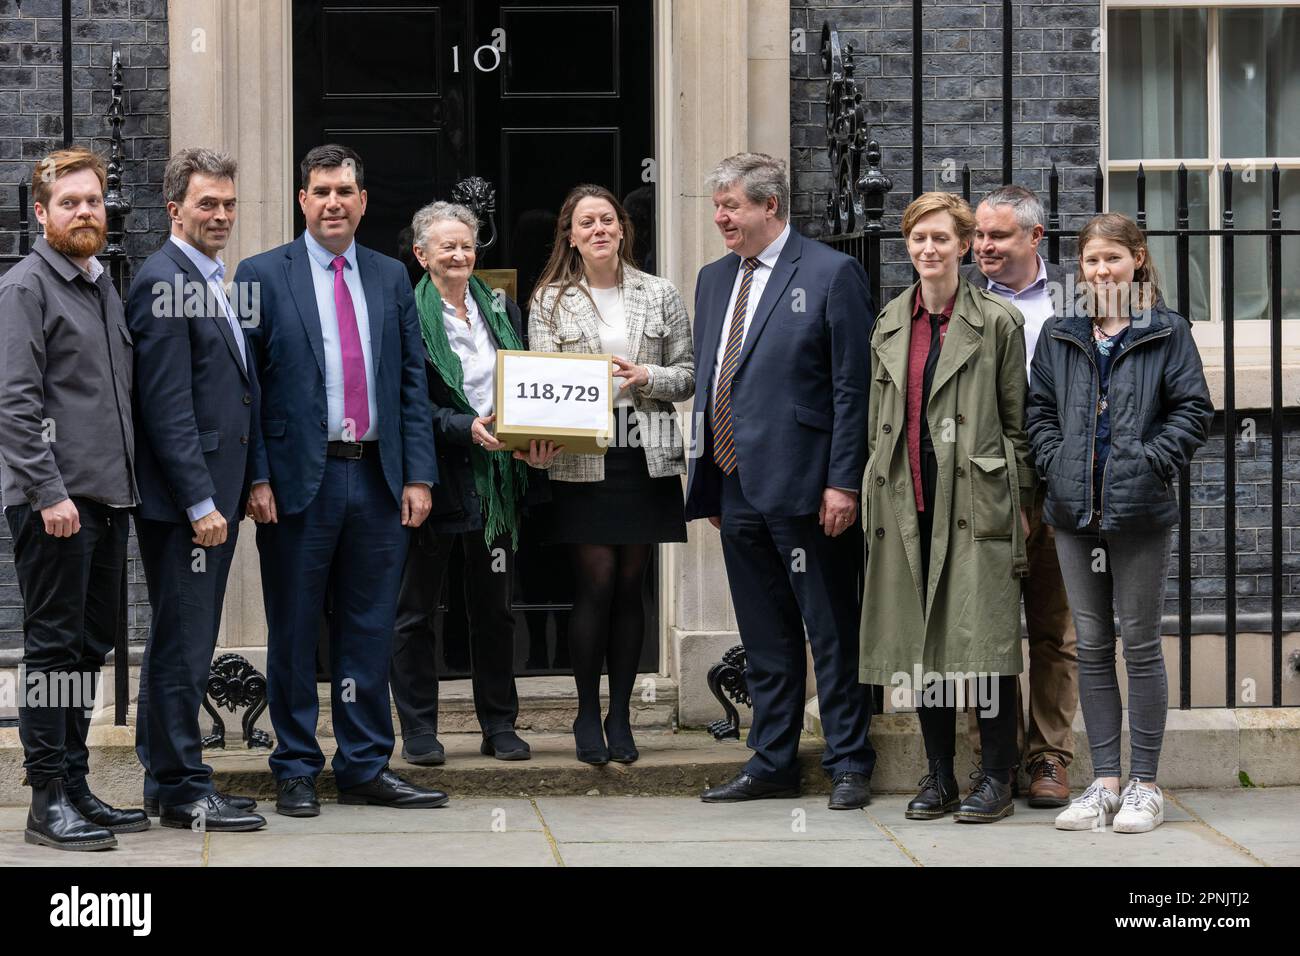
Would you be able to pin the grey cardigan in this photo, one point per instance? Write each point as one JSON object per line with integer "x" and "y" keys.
{"x": 659, "y": 337}
{"x": 65, "y": 385}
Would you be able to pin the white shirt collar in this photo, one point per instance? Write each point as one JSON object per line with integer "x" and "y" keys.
{"x": 1039, "y": 280}
{"x": 208, "y": 267}
{"x": 769, "y": 255}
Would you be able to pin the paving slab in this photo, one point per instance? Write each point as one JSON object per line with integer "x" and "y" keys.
{"x": 153, "y": 847}
{"x": 948, "y": 843}
{"x": 512, "y": 848}
{"x": 458, "y": 816}
{"x": 1265, "y": 821}
{"x": 736, "y": 853}
{"x": 890, "y": 809}
{"x": 677, "y": 820}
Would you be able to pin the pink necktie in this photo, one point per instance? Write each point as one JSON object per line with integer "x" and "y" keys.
{"x": 356, "y": 401}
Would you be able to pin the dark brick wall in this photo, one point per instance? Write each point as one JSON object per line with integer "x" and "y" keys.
{"x": 1056, "y": 119}
{"x": 31, "y": 123}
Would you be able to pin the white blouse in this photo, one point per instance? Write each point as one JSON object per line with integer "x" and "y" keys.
{"x": 613, "y": 332}
{"x": 474, "y": 346}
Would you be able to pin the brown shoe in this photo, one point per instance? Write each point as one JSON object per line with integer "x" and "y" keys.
{"x": 1049, "y": 784}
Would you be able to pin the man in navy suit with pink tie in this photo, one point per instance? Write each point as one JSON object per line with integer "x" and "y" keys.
{"x": 342, "y": 468}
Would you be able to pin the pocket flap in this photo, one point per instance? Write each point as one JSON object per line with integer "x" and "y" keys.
{"x": 989, "y": 465}
{"x": 812, "y": 418}
{"x": 209, "y": 441}
{"x": 273, "y": 427}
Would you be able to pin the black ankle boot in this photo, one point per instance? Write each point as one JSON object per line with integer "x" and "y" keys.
{"x": 54, "y": 821}
{"x": 111, "y": 818}
{"x": 589, "y": 742}
{"x": 989, "y": 799}
{"x": 939, "y": 793}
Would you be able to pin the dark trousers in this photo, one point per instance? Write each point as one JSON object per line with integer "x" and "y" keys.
{"x": 71, "y": 591}
{"x": 349, "y": 540}
{"x": 489, "y": 585}
{"x": 185, "y": 596}
{"x": 786, "y": 573}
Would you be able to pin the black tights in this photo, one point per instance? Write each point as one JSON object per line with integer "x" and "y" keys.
{"x": 606, "y": 627}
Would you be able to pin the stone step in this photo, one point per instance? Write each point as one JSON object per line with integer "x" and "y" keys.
{"x": 1203, "y": 748}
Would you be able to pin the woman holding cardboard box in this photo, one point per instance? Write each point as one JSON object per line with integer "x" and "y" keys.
{"x": 477, "y": 502}
{"x": 612, "y": 509}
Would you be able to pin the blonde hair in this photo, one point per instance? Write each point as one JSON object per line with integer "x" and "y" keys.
{"x": 60, "y": 163}
{"x": 926, "y": 203}
{"x": 1119, "y": 228}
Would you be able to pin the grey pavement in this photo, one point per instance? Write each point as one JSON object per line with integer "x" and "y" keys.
{"x": 1251, "y": 827}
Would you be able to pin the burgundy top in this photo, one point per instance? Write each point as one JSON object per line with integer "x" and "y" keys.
{"x": 918, "y": 352}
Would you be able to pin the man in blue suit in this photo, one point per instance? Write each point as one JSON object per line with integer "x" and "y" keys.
{"x": 782, "y": 333}
{"x": 343, "y": 466}
{"x": 195, "y": 405}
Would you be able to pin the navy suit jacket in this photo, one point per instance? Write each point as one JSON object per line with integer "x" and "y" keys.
{"x": 287, "y": 350}
{"x": 799, "y": 393}
{"x": 194, "y": 401}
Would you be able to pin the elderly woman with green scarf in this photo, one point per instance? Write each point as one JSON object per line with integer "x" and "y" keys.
{"x": 477, "y": 502}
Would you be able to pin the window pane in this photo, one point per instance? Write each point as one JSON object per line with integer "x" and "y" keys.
{"x": 1260, "y": 102}
{"x": 1162, "y": 213}
{"x": 1155, "y": 77}
{"x": 1251, "y": 205}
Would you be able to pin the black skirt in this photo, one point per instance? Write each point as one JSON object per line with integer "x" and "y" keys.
{"x": 627, "y": 507}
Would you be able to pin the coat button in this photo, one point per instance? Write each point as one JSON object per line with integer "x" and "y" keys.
{"x": 961, "y": 523}
{"x": 322, "y": 424}
{"x": 880, "y": 532}
{"x": 886, "y": 428}
{"x": 248, "y": 399}
{"x": 963, "y": 367}
{"x": 960, "y": 471}
{"x": 880, "y": 481}
{"x": 961, "y": 419}
{"x": 243, "y": 439}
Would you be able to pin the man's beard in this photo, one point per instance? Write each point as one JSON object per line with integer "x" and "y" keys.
{"x": 80, "y": 241}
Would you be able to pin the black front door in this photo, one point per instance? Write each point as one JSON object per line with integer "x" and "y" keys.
{"x": 535, "y": 98}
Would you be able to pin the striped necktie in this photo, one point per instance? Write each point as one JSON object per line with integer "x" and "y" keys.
{"x": 724, "y": 444}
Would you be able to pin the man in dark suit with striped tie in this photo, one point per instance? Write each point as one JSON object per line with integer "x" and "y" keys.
{"x": 782, "y": 333}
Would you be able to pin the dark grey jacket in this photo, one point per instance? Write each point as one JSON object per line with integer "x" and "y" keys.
{"x": 1160, "y": 413}
{"x": 65, "y": 385}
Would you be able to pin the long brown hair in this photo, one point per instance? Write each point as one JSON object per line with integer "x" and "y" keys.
{"x": 563, "y": 269}
{"x": 1119, "y": 228}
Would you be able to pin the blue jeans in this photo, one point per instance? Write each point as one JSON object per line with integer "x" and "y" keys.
{"x": 1120, "y": 576}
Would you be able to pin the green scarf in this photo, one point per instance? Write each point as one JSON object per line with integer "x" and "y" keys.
{"x": 499, "y": 479}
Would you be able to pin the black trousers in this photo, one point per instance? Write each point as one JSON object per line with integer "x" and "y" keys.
{"x": 786, "y": 574}
{"x": 71, "y": 590}
{"x": 185, "y": 595}
{"x": 489, "y": 584}
{"x": 997, "y": 721}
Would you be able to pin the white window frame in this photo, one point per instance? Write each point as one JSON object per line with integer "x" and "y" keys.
{"x": 1209, "y": 334}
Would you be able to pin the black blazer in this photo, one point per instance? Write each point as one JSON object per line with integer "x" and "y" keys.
{"x": 456, "y": 506}
{"x": 799, "y": 392}
{"x": 194, "y": 400}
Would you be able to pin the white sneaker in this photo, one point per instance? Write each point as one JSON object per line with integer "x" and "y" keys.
{"x": 1141, "y": 809}
{"x": 1091, "y": 811}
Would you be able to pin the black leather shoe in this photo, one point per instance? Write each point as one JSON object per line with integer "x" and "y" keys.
{"x": 54, "y": 821}
{"x": 424, "y": 751}
{"x": 988, "y": 801}
{"x": 213, "y": 813}
{"x": 118, "y": 821}
{"x": 239, "y": 803}
{"x": 390, "y": 790}
{"x": 744, "y": 787}
{"x": 939, "y": 793}
{"x": 850, "y": 791}
{"x": 589, "y": 745}
{"x": 622, "y": 747}
{"x": 506, "y": 745}
{"x": 297, "y": 798}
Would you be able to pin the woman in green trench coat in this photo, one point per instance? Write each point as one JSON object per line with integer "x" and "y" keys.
{"x": 948, "y": 467}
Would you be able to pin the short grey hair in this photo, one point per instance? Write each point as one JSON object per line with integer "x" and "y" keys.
{"x": 1025, "y": 202}
{"x": 196, "y": 159}
{"x": 426, "y": 216}
{"x": 760, "y": 176}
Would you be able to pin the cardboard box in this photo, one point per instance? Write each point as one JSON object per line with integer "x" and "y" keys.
{"x": 564, "y": 397}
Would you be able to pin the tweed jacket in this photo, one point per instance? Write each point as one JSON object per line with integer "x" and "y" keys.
{"x": 659, "y": 337}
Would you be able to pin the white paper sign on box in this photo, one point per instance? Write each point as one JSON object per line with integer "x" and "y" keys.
{"x": 561, "y": 397}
